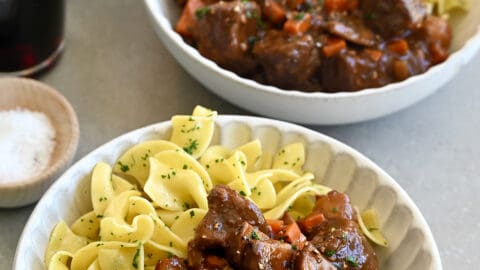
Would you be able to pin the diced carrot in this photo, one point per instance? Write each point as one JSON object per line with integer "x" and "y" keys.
{"x": 312, "y": 220}
{"x": 186, "y": 23}
{"x": 215, "y": 261}
{"x": 375, "y": 55}
{"x": 438, "y": 53}
{"x": 275, "y": 225}
{"x": 298, "y": 24}
{"x": 400, "y": 69}
{"x": 333, "y": 46}
{"x": 273, "y": 11}
{"x": 293, "y": 233}
{"x": 352, "y": 4}
{"x": 293, "y": 4}
{"x": 399, "y": 46}
{"x": 288, "y": 219}
{"x": 335, "y": 5}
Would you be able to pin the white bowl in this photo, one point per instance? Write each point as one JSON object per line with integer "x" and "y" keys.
{"x": 333, "y": 163}
{"x": 316, "y": 108}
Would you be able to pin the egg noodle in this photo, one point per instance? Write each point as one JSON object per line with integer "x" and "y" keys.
{"x": 444, "y": 7}
{"x": 148, "y": 205}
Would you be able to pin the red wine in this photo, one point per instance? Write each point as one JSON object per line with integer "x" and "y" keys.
{"x": 31, "y": 34}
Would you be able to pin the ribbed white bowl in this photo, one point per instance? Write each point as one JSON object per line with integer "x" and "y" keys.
{"x": 317, "y": 108}
{"x": 334, "y": 164}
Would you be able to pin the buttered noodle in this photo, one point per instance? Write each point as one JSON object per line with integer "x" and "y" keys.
{"x": 133, "y": 224}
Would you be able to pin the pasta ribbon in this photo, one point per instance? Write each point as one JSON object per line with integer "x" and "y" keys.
{"x": 134, "y": 162}
{"x": 368, "y": 221}
{"x": 60, "y": 261}
{"x": 109, "y": 255}
{"x": 194, "y": 133}
{"x": 174, "y": 189}
{"x": 63, "y": 239}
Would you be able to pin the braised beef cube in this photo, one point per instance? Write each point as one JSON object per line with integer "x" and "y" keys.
{"x": 334, "y": 205}
{"x": 225, "y": 31}
{"x": 173, "y": 263}
{"x": 309, "y": 258}
{"x": 213, "y": 262}
{"x": 289, "y": 61}
{"x": 353, "y": 70}
{"x": 258, "y": 251}
{"x": 227, "y": 215}
{"x": 393, "y": 17}
{"x": 342, "y": 243}
{"x": 352, "y": 28}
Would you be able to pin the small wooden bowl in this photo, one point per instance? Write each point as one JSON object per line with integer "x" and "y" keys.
{"x": 36, "y": 96}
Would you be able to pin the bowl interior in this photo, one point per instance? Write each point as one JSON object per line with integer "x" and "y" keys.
{"x": 333, "y": 163}
{"x": 28, "y": 94}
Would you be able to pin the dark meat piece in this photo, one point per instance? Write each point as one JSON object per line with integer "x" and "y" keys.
{"x": 288, "y": 61}
{"x": 254, "y": 250}
{"x": 393, "y": 17}
{"x": 342, "y": 242}
{"x": 352, "y": 28}
{"x": 228, "y": 211}
{"x": 224, "y": 33}
{"x": 340, "y": 239}
{"x": 438, "y": 35}
{"x": 309, "y": 258}
{"x": 335, "y": 205}
{"x": 353, "y": 70}
{"x": 173, "y": 263}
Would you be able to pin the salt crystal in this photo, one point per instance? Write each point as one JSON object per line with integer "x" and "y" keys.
{"x": 27, "y": 140}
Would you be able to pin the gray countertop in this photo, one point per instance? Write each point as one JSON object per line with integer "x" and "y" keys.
{"x": 119, "y": 77}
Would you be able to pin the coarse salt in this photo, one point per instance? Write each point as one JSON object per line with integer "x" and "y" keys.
{"x": 27, "y": 140}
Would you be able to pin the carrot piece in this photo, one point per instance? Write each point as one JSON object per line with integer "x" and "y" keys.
{"x": 400, "y": 69}
{"x": 275, "y": 225}
{"x": 273, "y": 11}
{"x": 215, "y": 261}
{"x": 293, "y": 4}
{"x": 399, "y": 46}
{"x": 375, "y": 55}
{"x": 334, "y": 46}
{"x": 438, "y": 53}
{"x": 311, "y": 221}
{"x": 298, "y": 24}
{"x": 352, "y": 4}
{"x": 335, "y": 5}
{"x": 187, "y": 21}
{"x": 293, "y": 233}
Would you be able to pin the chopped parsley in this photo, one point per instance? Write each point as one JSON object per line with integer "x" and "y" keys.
{"x": 334, "y": 210}
{"x": 350, "y": 260}
{"x": 294, "y": 247}
{"x": 135, "y": 258}
{"x": 200, "y": 13}
{"x": 299, "y": 16}
{"x": 192, "y": 214}
{"x": 192, "y": 146}
{"x": 329, "y": 253}
{"x": 243, "y": 193}
{"x": 123, "y": 167}
{"x": 254, "y": 235}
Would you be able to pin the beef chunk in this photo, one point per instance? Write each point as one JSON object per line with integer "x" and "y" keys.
{"x": 340, "y": 239}
{"x": 352, "y": 28}
{"x": 173, "y": 263}
{"x": 223, "y": 33}
{"x": 309, "y": 258}
{"x": 438, "y": 34}
{"x": 393, "y": 17}
{"x": 228, "y": 213}
{"x": 288, "y": 61}
{"x": 353, "y": 70}
{"x": 254, "y": 250}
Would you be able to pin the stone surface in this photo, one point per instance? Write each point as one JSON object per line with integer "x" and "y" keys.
{"x": 119, "y": 77}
